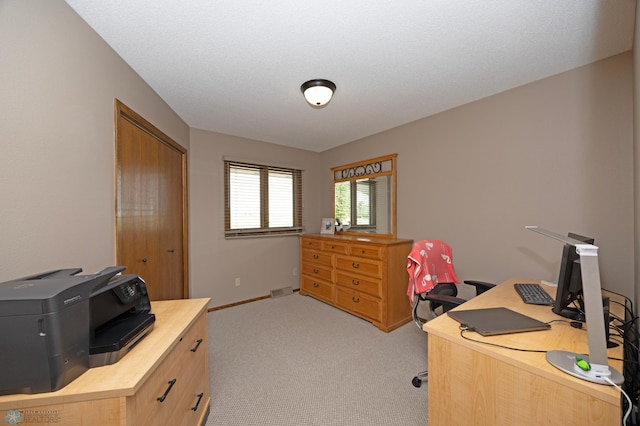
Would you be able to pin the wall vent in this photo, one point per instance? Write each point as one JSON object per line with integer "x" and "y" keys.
{"x": 285, "y": 291}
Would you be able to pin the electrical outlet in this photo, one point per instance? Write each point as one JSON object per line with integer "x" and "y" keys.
{"x": 295, "y": 272}
{"x": 237, "y": 282}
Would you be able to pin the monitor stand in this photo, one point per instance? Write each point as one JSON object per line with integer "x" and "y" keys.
{"x": 573, "y": 314}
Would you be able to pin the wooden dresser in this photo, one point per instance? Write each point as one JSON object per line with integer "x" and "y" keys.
{"x": 164, "y": 380}
{"x": 365, "y": 276}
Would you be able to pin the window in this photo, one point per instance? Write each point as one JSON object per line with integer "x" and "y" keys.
{"x": 261, "y": 200}
{"x": 359, "y": 211}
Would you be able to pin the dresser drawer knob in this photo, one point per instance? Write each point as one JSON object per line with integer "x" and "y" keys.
{"x": 315, "y": 270}
{"x": 195, "y": 407}
{"x": 315, "y": 256}
{"x": 355, "y": 299}
{"x": 316, "y": 285}
{"x": 355, "y": 265}
{"x": 195, "y": 348}
{"x": 164, "y": 396}
{"x": 355, "y": 282}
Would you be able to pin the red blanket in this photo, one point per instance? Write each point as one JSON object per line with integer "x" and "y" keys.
{"x": 429, "y": 263}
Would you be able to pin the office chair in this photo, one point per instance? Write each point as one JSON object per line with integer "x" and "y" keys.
{"x": 432, "y": 278}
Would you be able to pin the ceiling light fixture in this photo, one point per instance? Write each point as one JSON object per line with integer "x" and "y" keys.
{"x": 318, "y": 92}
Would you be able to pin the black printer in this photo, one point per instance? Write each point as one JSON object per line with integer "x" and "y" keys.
{"x": 55, "y": 325}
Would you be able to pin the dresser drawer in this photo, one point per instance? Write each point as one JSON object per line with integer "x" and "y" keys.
{"x": 317, "y": 271}
{"x": 359, "y": 265}
{"x": 312, "y": 244}
{"x": 372, "y": 252}
{"x": 367, "y": 285}
{"x": 318, "y": 288}
{"x": 316, "y": 257}
{"x": 358, "y": 303}
{"x": 335, "y": 247}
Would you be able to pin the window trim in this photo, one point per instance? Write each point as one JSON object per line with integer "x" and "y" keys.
{"x": 264, "y": 230}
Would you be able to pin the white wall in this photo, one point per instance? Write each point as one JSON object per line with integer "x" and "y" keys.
{"x": 557, "y": 153}
{"x": 58, "y": 82}
{"x": 261, "y": 263}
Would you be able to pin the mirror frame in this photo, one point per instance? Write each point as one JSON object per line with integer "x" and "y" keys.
{"x": 367, "y": 169}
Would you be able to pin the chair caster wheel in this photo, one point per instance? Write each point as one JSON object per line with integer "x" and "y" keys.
{"x": 416, "y": 381}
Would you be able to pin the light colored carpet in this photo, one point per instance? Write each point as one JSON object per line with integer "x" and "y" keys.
{"x": 297, "y": 361}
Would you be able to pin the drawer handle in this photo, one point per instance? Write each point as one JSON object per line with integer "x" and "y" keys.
{"x": 315, "y": 256}
{"x": 355, "y": 265}
{"x": 332, "y": 247}
{"x": 362, "y": 251}
{"x": 355, "y": 299}
{"x": 315, "y": 270}
{"x": 195, "y": 348}
{"x": 163, "y": 397}
{"x": 316, "y": 285}
{"x": 355, "y": 282}
{"x": 195, "y": 407}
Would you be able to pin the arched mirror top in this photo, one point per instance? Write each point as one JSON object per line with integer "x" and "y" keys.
{"x": 364, "y": 196}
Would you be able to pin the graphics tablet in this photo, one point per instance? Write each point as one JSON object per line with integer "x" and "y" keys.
{"x": 492, "y": 321}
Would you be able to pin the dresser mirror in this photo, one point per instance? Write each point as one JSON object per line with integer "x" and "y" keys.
{"x": 364, "y": 195}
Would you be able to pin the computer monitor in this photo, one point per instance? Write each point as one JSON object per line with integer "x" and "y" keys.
{"x": 569, "y": 301}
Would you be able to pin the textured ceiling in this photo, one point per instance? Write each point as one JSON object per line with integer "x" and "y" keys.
{"x": 235, "y": 67}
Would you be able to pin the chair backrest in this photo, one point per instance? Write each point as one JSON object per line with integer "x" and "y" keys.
{"x": 430, "y": 262}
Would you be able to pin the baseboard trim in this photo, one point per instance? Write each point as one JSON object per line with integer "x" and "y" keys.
{"x": 242, "y": 302}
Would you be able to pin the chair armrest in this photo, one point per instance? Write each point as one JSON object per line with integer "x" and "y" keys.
{"x": 480, "y": 286}
{"x": 447, "y": 302}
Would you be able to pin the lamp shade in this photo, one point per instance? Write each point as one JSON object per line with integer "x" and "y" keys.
{"x": 318, "y": 93}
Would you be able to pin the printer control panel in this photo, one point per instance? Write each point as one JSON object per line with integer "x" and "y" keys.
{"x": 126, "y": 292}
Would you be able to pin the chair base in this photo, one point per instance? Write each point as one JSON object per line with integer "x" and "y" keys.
{"x": 421, "y": 377}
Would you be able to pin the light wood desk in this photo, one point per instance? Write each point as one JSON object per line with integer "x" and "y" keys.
{"x": 475, "y": 384}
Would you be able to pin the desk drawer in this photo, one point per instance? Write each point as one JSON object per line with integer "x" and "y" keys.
{"x": 195, "y": 395}
{"x": 318, "y": 288}
{"x": 367, "y": 285}
{"x": 358, "y": 303}
{"x": 359, "y": 266}
{"x": 317, "y": 272}
{"x": 316, "y": 257}
{"x": 165, "y": 382}
{"x": 176, "y": 380}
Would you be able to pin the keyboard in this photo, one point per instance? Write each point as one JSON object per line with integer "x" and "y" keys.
{"x": 533, "y": 294}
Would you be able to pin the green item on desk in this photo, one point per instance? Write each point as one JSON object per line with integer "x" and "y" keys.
{"x": 584, "y": 365}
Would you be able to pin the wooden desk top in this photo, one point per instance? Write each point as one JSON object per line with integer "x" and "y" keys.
{"x": 561, "y": 336}
{"x": 126, "y": 376}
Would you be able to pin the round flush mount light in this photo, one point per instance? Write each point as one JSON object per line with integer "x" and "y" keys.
{"x": 318, "y": 92}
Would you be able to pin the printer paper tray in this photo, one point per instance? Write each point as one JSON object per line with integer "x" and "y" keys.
{"x": 118, "y": 337}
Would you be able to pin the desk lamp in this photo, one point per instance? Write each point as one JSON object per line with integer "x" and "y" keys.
{"x": 596, "y": 369}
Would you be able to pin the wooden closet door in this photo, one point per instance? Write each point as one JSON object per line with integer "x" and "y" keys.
{"x": 151, "y": 203}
